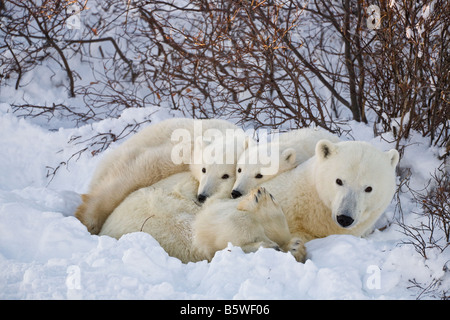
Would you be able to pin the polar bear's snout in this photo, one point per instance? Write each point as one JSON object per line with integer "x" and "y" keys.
{"x": 347, "y": 207}
{"x": 235, "y": 194}
{"x": 201, "y": 197}
{"x": 344, "y": 220}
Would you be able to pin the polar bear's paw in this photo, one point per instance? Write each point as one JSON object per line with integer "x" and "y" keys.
{"x": 257, "y": 198}
{"x": 297, "y": 248}
{"x": 254, "y": 246}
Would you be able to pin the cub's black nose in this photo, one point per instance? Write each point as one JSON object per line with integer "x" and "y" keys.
{"x": 201, "y": 198}
{"x": 344, "y": 221}
{"x": 235, "y": 194}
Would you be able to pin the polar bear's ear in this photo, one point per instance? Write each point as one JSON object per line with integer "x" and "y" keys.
{"x": 288, "y": 156}
{"x": 325, "y": 148}
{"x": 394, "y": 157}
{"x": 248, "y": 142}
{"x": 199, "y": 143}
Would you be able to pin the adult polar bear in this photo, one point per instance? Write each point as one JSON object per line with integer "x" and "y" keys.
{"x": 141, "y": 161}
{"x": 343, "y": 189}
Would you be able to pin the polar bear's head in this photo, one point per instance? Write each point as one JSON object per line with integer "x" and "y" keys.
{"x": 260, "y": 163}
{"x": 354, "y": 180}
{"x": 214, "y": 164}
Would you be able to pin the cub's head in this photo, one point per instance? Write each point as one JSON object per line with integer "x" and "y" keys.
{"x": 214, "y": 164}
{"x": 354, "y": 180}
{"x": 260, "y": 163}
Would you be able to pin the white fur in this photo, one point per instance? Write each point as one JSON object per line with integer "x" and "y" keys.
{"x": 253, "y": 221}
{"x": 167, "y": 211}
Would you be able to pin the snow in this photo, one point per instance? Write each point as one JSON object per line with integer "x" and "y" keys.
{"x": 426, "y": 11}
{"x": 409, "y": 33}
{"x": 46, "y": 253}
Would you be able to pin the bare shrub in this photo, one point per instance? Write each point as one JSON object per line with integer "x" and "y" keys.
{"x": 268, "y": 63}
{"x": 409, "y": 78}
{"x": 38, "y": 33}
{"x": 434, "y": 230}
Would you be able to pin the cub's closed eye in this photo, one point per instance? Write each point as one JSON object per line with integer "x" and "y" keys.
{"x": 225, "y": 176}
{"x": 259, "y": 176}
{"x": 368, "y": 189}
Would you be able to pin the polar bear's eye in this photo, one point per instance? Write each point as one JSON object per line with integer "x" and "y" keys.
{"x": 225, "y": 176}
{"x": 239, "y": 170}
{"x": 259, "y": 176}
{"x": 368, "y": 189}
{"x": 339, "y": 182}
{"x": 204, "y": 170}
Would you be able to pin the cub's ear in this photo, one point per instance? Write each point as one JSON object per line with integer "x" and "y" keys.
{"x": 289, "y": 156}
{"x": 325, "y": 149}
{"x": 246, "y": 142}
{"x": 393, "y": 156}
{"x": 249, "y": 142}
{"x": 200, "y": 143}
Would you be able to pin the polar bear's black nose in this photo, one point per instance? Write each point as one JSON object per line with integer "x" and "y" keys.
{"x": 201, "y": 198}
{"x": 344, "y": 220}
{"x": 235, "y": 194}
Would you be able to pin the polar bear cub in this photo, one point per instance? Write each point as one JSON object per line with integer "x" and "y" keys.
{"x": 262, "y": 162}
{"x": 146, "y": 158}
